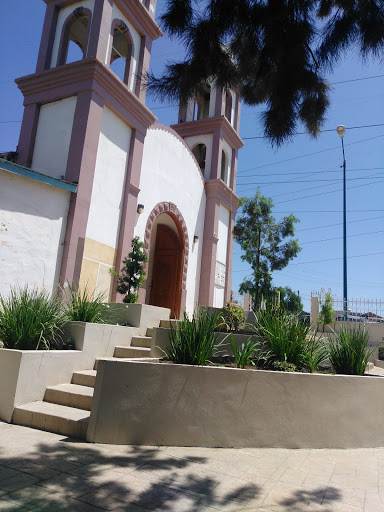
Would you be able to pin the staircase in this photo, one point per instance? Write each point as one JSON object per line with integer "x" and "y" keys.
{"x": 66, "y": 408}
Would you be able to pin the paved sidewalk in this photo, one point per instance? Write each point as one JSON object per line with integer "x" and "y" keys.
{"x": 40, "y": 471}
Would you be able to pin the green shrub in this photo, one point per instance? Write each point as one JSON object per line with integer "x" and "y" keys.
{"x": 30, "y": 319}
{"x": 315, "y": 353}
{"x": 244, "y": 356}
{"x": 79, "y": 307}
{"x": 284, "y": 366}
{"x": 349, "y": 351}
{"x": 233, "y": 315}
{"x": 194, "y": 341}
{"x": 285, "y": 335}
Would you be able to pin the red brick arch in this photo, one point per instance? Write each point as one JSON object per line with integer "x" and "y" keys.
{"x": 172, "y": 210}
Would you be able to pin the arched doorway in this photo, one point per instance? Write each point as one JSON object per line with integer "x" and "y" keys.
{"x": 167, "y": 245}
{"x": 166, "y": 271}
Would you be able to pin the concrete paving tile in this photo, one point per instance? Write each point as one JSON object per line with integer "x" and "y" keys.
{"x": 68, "y": 485}
{"x": 17, "y": 482}
{"x": 8, "y": 506}
{"x": 37, "y": 470}
{"x": 355, "y": 497}
{"x": 101, "y": 501}
{"x": 293, "y": 476}
{"x": 7, "y": 472}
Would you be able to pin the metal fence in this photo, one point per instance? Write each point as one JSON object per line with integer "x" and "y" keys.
{"x": 357, "y": 310}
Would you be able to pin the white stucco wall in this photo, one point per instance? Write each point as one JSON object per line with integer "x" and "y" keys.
{"x": 117, "y": 14}
{"x": 169, "y": 173}
{"x": 53, "y": 137}
{"x": 64, "y": 13}
{"x": 221, "y": 258}
{"x": 108, "y": 185}
{"x": 33, "y": 219}
{"x": 208, "y": 141}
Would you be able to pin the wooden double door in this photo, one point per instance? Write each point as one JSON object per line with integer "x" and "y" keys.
{"x": 166, "y": 272}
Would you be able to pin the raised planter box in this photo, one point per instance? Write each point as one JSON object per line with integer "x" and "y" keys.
{"x": 25, "y": 374}
{"x": 175, "y": 405}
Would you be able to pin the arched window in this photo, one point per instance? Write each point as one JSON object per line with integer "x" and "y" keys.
{"x": 223, "y": 166}
{"x": 203, "y": 98}
{"x": 74, "y": 40}
{"x": 200, "y": 153}
{"x": 121, "y": 51}
{"x": 228, "y": 105}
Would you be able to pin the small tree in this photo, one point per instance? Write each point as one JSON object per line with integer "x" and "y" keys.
{"x": 290, "y": 300}
{"x": 327, "y": 313}
{"x": 132, "y": 272}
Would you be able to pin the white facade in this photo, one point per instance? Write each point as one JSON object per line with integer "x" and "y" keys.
{"x": 33, "y": 219}
{"x": 108, "y": 185}
{"x": 207, "y": 140}
{"x": 53, "y": 137}
{"x": 169, "y": 173}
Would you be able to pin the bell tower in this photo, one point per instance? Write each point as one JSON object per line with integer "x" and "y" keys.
{"x": 85, "y": 121}
{"x": 210, "y": 126}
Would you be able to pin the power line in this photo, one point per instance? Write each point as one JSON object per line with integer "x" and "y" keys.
{"x": 340, "y": 237}
{"x": 338, "y": 224}
{"x": 329, "y": 192}
{"x": 328, "y": 259}
{"x": 329, "y": 239}
{"x": 334, "y": 259}
{"x": 327, "y": 130}
{"x": 289, "y": 173}
{"x": 309, "y": 154}
{"x": 307, "y": 181}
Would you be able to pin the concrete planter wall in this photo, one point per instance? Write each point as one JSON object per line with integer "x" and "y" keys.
{"x": 160, "y": 341}
{"x": 176, "y": 405}
{"x": 25, "y": 374}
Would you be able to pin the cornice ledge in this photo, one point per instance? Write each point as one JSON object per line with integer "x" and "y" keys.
{"x": 87, "y": 73}
{"x": 218, "y": 189}
{"x": 140, "y": 18}
{"x": 205, "y": 126}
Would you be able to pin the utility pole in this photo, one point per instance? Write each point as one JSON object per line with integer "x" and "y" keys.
{"x": 341, "y": 132}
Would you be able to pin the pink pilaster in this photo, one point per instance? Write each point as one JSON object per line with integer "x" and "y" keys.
{"x": 217, "y": 146}
{"x": 129, "y": 207}
{"x": 100, "y": 30}
{"x": 81, "y": 165}
{"x": 48, "y": 36}
{"x": 28, "y": 134}
{"x": 143, "y": 67}
{"x": 228, "y": 276}
{"x": 208, "y": 260}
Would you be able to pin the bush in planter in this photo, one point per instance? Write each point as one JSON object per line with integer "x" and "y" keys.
{"x": 30, "y": 319}
{"x": 289, "y": 341}
{"x": 349, "y": 351}
{"x": 233, "y": 315}
{"x": 194, "y": 341}
{"x": 80, "y": 308}
{"x": 245, "y": 355}
{"x": 132, "y": 273}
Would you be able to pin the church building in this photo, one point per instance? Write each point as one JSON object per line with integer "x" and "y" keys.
{"x": 94, "y": 169}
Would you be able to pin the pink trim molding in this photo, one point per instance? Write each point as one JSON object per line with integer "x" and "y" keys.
{"x": 172, "y": 210}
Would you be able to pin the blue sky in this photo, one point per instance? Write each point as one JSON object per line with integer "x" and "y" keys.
{"x": 303, "y": 177}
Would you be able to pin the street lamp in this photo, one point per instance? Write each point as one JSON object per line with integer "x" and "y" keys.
{"x": 341, "y": 132}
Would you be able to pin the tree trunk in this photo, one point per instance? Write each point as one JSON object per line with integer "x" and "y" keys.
{"x": 257, "y": 269}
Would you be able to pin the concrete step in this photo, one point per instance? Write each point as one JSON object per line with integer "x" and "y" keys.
{"x": 167, "y": 323}
{"x": 141, "y": 341}
{"x": 149, "y": 331}
{"x": 59, "y": 419}
{"x": 70, "y": 395}
{"x": 84, "y": 378}
{"x": 131, "y": 352}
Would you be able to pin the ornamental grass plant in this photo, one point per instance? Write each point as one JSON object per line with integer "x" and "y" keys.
{"x": 285, "y": 335}
{"x": 79, "y": 307}
{"x": 246, "y": 354}
{"x": 30, "y": 319}
{"x": 194, "y": 341}
{"x": 349, "y": 351}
